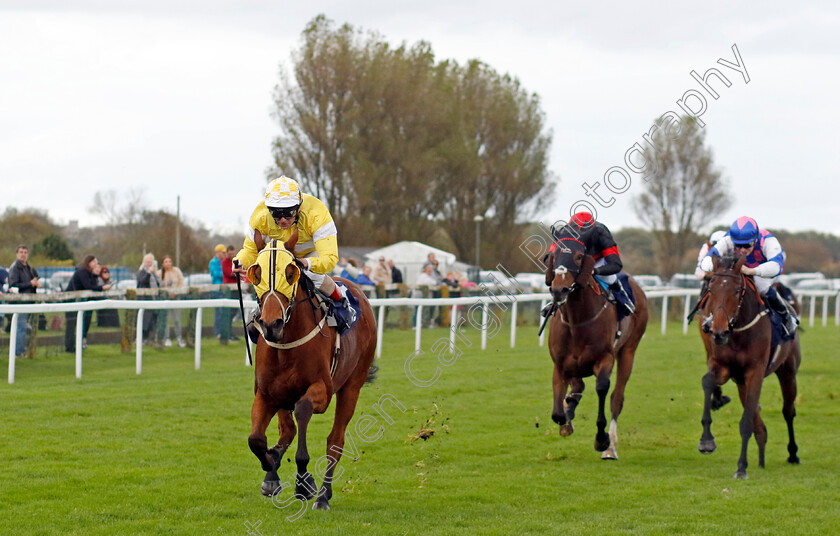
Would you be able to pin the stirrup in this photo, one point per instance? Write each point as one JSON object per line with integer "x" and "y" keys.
{"x": 791, "y": 323}
{"x": 351, "y": 313}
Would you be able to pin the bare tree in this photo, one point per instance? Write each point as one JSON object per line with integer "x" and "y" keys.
{"x": 107, "y": 204}
{"x": 684, "y": 190}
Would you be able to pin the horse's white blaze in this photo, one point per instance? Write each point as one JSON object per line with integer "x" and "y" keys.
{"x": 562, "y": 270}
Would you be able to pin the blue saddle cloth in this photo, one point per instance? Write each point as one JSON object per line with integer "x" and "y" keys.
{"x": 779, "y": 335}
{"x": 339, "y": 311}
{"x": 624, "y": 280}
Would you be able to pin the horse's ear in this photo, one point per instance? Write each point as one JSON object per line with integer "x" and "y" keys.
{"x": 292, "y": 273}
{"x": 739, "y": 263}
{"x": 586, "y": 269}
{"x": 549, "y": 268}
{"x": 715, "y": 261}
{"x": 292, "y": 241}
{"x": 254, "y": 274}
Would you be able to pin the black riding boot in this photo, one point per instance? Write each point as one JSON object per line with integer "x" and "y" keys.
{"x": 622, "y": 297}
{"x": 780, "y": 306}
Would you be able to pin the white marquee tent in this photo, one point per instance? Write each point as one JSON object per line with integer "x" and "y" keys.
{"x": 410, "y": 257}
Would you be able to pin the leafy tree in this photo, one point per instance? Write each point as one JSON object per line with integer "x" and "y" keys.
{"x": 26, "y": 226}
{"x": 53, "y": 246}
{"x": 684, "y": 191}
{"x": 399, "y": 146}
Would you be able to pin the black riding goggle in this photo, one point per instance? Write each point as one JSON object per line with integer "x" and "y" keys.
{"x": 283, "y": 212}
{"x": 744, "y": 246}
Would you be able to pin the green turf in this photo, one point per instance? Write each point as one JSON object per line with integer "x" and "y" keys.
{"x": 166, "y": 452}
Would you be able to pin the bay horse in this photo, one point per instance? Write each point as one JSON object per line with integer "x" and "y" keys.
{"x": 300, "y": 363}
{"x": 736, "y": 333}
{"x": 582, "y": 340}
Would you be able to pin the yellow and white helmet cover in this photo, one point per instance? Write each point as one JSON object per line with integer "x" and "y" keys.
{"x": 283, "y": 192}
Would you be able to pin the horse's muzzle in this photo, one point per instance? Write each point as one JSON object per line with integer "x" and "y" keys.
{"x": 272, "y": 331}
{"x": 721, "y": 338}
{"x": 560, "y": 295}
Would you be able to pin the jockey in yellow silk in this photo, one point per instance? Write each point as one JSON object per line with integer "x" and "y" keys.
{"x": 284, "y": 209}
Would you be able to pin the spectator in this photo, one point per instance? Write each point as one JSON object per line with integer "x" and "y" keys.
{"x": 381, "y": 273}
{"x": 147, "y": 277}
{"x": 432, "y": 261}
{"x": 86, "y": 277}
{"x": 351, "y": 269}
{"x": 171, "y": 278}
{"x": 24, "y": 278}
{"x": 464, "y": 281}
{"x": 364, "y": 277}
{"x": 217, "y": 278}
{"x": 396, "y": 275}
{"x": 229, "y": 277}
{"x": 109, "y": 318}
{"x": 104, "y": 277}
{"x": 4, "y": 280}
{"x": 427, "y": 276}
{"x": 227, "y": 266}
{"x": 451, "y": 280}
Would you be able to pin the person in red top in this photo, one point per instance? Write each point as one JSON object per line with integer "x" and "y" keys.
{"x": 229, "y": 277}
{"x": 227, "y": 266}
{"x": 600, "y": 244}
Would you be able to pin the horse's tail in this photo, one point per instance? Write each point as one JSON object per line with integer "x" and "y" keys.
{"x": 372, "y": 372}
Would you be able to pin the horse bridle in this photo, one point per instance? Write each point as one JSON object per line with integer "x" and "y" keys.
{"x": 272, "y": 277}
{"x": 743, "y": 292}
{"x": 562, "y": 270}
{"x": 287, "y": 311}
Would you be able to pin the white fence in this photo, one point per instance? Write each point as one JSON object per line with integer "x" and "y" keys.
{"x": 484, "y": 302}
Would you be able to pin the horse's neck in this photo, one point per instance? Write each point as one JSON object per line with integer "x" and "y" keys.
{"x": 303, "y": 317}
{"x": 750, "y": 306}
{"x": 584, "y": 302}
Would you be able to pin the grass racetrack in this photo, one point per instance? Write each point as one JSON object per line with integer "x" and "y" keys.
{"x": 166, "y": 452}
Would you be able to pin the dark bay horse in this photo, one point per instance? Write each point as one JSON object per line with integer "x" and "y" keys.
{"x": 300, "y": 364}
{"x": 582, "y": 341}
{"x": 736, "y": 332}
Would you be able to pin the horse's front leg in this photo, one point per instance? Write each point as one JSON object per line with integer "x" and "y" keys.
{"x": 602, "y": 386}
{"x": 707, "y": 440}
{"x": 314, "y": 401}
{"x": 558, "y": 412}
{"x": 576, "y": 387}
{"x": 286, "y": 426}
{"x": 261, "y": 413}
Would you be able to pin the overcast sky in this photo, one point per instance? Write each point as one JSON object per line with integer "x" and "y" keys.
{"x": 175, "y": 96}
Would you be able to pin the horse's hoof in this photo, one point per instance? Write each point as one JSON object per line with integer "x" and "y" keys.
{"x": 707, "y": 446}
{"x": 556, "y": 417}
{"x": 740, "y": 474}
{"x": 609, "y": 454}
{"x": 567, "y": 429}
{"x": 321, "y": 505}
{"x": 270, "y": 487}
{"x": 602, "y": 444}
{"x": 793, "y": 460}
{"x": 717, "y": 404}
{"x": 307, "y": 488}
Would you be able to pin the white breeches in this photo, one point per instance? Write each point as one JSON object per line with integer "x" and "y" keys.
{"x": 608, "y": 279}
{"x": 763, "y": 284}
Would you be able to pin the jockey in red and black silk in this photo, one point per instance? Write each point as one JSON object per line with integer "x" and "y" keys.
{"x": 600, "y": 244}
